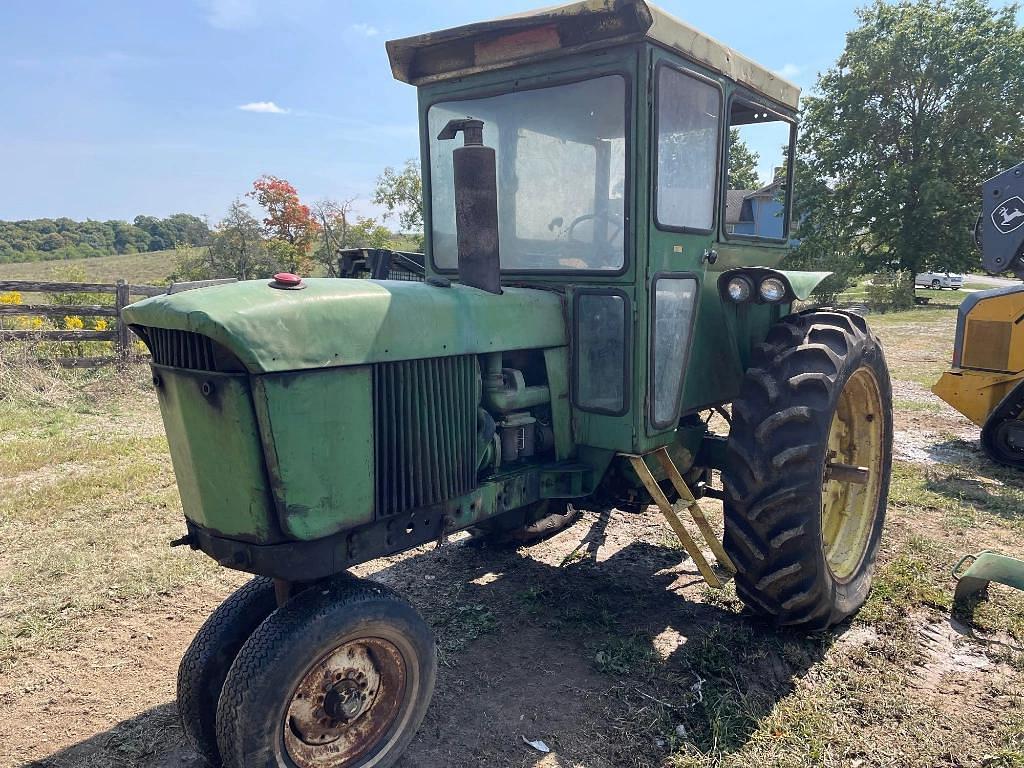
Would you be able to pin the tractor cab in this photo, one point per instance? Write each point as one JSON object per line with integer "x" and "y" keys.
{"x": 613, "y": 127}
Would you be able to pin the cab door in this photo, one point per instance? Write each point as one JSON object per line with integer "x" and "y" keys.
{"x": 685, "y": 151}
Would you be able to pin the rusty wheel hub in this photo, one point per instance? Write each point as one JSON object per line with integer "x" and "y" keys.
{"x": 345, "y": 704}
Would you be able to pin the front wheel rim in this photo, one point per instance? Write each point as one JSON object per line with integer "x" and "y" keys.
{"x": 852, "y": 479}
{"x": 346, "y": 704}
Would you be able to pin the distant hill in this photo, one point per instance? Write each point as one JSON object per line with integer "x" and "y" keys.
{"x": 64, "y": 239}
{"x": 151, "y": 268}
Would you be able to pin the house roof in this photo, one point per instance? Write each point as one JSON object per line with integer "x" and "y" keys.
{"x": 579, "y": 26}
{"x": 734, "y": 203}
{"x": 734, "y": 199}
{"x": 768, "y": 190}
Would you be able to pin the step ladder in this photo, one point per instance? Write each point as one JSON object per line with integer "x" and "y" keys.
{"x": 715, "y": 577}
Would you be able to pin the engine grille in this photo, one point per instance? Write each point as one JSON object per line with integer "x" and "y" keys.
{"x": 425, "y": 431}
{"x": 181, "y": 349}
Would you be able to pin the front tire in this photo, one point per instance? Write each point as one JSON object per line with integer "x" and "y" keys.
{"x": 205, "y": 664}
{"x": 339, "y": 677}
{"x": 803, "y": 518}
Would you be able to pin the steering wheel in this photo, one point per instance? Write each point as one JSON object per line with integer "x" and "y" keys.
{"x": 612, "y": 218}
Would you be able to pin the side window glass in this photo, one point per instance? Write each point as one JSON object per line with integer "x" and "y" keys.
{"x": 757, "y": 195}
{"x": 601, "y": 342}
{"x": 688, "y": 124}
{"x": 674, "y": 305}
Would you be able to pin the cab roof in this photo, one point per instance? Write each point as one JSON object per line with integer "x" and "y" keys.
{"x": 562, "y": 30}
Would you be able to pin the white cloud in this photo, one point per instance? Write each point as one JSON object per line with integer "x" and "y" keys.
{"x": 789, "y": 71}
{"x": 265, "y": 107}
{"x": 230, "y": 14}
{"x": 366, "y": 30}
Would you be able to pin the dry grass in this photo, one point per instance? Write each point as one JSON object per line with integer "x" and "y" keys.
{"x": 87, "y": 504}
{"x": 142, "y": 268}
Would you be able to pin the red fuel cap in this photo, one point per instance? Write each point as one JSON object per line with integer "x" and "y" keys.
{"x": 286, "y": 280}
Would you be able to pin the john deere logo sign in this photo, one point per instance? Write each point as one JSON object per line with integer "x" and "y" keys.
{"x": 1009, "y": 215}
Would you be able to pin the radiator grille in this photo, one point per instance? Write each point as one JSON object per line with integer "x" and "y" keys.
{"x": 987, "y": 345}
{"x": 181, "y": 349}
{"x": 425, "y": 431}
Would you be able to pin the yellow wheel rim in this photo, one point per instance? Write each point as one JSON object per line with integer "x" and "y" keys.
{"x": 852, "y": 478}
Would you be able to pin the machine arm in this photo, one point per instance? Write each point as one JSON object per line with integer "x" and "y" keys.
{"x": 1001, "y": 229}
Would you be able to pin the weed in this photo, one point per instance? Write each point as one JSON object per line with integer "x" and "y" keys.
{"x": 631, "y": 655}
{"x": 461, "y": 626}
{"x": 913, "y": 578}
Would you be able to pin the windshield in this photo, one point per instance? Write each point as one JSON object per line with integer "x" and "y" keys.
{"x": 561, "y": 155}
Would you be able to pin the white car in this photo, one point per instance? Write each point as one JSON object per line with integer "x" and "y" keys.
{"x": 940, "y": 280}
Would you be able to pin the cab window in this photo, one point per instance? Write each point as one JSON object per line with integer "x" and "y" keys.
{"x": 757, "y": 197}
{"x": 561, "y": 163}
{"x": 688, "y": 121}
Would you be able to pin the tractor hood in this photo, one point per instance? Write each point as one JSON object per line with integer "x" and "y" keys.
{"x": 335, "y": 322}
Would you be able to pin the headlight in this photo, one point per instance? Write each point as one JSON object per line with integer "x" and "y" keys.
{"x": 771, "y": 289}
{"x": 739, "y": 289}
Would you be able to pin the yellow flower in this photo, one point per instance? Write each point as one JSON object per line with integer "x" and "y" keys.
{"x": 10, "y": 298}
{"x": 101, "y": 324}
{"x": 73, "y": 323}
{"x": 29, "y": 323}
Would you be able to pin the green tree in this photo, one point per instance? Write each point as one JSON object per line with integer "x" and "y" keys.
{"x": 823, "y": 242}
{"x": 926, "y": 101}
{"x": 368, "y": 233}
{"x": 237, "y": 249}
{"x": 335, "y": 225}
{"x": 742, "y": 163}
{"x": 339, "y": 228}
{"x": 401, "y": 193}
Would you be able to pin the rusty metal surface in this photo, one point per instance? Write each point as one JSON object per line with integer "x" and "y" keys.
{"x": 573, "y": 28}
{"x": 346, "y": 704}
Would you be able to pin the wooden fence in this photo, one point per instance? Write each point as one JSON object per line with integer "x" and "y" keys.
{"x": 118, "y": 335}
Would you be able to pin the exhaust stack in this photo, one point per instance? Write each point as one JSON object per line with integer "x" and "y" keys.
{"x": 476, "y": 206}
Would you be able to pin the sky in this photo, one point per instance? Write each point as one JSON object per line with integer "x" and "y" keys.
{"x": 110, "y": 109}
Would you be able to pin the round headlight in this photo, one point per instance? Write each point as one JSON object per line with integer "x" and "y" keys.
{"x": 739, "y": 289}
{"x": 772, "y": 289}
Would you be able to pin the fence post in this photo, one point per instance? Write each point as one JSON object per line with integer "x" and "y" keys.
{"x": 123, "y": 342}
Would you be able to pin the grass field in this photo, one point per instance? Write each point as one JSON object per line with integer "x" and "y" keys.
{"x": 600, "y": 641}
{"x": 142, "y": 268}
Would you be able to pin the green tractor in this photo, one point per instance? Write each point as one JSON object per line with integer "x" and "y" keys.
{"x": 596, "y": 282}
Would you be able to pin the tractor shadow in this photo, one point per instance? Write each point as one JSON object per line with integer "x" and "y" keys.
{"x": 151, "y": 739}
{"x": 611, "y": 662}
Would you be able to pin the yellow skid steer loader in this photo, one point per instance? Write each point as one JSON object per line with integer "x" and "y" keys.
{"x": 985, "y": 381}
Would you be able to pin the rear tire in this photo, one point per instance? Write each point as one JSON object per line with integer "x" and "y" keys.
{"x": 341, "y": 675}
{"x": 816, "y": 391}
{"x": 206, "y": 662}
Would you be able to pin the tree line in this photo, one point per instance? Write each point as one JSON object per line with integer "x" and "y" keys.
{"x": 63, "y": 238}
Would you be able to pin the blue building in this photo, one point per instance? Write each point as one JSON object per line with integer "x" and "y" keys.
{"x": 755, "y": 212}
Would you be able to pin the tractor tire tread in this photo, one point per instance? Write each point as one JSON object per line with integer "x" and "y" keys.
{"x": 205, "y": 664}
{"x": 775, "y": 455}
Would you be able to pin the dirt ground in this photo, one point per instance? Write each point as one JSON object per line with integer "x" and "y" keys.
{"x": 602, "y": 642}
